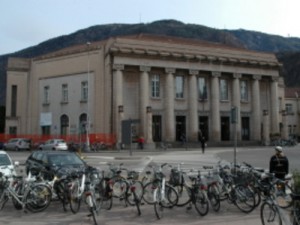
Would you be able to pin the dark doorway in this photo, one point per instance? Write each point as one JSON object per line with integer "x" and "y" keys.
{"x": 180, "y": 127}
{"x": 156, "y": 128}
{"x": 245, "y": 128}
{"x": 203, "y": 127}
{"x": 225, "y": 128}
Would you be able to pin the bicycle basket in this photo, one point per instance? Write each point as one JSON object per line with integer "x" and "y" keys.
{"x": 175, "y": 177}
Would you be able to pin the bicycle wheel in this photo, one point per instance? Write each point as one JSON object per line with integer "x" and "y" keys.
{"x": 214, "y": 200}
{"x": 269, "y": 214}
{"x": 201, "y": 203}
{"x": 158, "y": 208}
{"x": 183, "y": 195}
{"x": 119, "y": 188}
{"x": 105, "y": 194}
{"x": 18, "y": 188}
{"x": 171, "y": 197}
{"x": 38, "y": 198}
{"x": 137, "y": 188}
{"x": 283, "y": 196}
{"x": 90, "y": 200}
{"x": 75, "y": 197}
{"x": 243, "y": 198}
{"x": 148, "y": 191}
{"x": 3, "y": 198}
{"x": 296, "y": 213}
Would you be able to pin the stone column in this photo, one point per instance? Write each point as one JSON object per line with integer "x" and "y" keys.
{"x": 236, "y": 102}
{"x": 193, "y": 106}
{"x": 274, "y": 106}
{"x": 118, "y": 99}
{"x": 144, "y": 98}
{"x": 266, "y": 128}
{"x": 256, "y": 110}
{"x": 285, "y": 132}
{"x": 169, "y": 106}
{"x": 215, "y": 107}
{"x": 149, "y": 138}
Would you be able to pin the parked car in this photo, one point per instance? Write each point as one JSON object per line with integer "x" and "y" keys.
{"x": 54, "y": 160}
{"x": 54, "y": 144}
{"x": 18, "y": 144}
{"x": 7, "y": 168}
{"x": 1, "y": 145}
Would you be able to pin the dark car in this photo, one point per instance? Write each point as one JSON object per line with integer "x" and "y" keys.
{"x": 53, "y": 161}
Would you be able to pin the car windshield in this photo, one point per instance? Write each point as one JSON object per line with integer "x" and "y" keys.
{"x": 67, "y": 159}
{"x": 4, "y": 160}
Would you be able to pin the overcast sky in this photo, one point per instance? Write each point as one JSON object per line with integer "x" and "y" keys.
{"x": 25, "y": 23}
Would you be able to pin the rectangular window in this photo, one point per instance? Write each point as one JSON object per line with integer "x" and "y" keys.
{"x": 46, "y": 95}
{"x": 289, "y": 108}
{"x": 202, "y": 90}
{"x": 179, "y": 86}
{"x": 244, "y": 90}
{"x": 223, "y": 90}
{"x": 155, "y": 83}
{"x": 14, "y": 93}
{"x": 84, "y": 91}
{"x": 64, "y": 93}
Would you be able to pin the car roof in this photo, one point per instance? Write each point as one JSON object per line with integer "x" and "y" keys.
{"x": 3, "y": 152}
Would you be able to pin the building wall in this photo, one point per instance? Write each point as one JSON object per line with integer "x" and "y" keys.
{"x": 119, "y": 72}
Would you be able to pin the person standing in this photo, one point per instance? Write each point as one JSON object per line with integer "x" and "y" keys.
{"x": 141, "y": 142}
{"x": 203, "y": 144}
{"x": 279, "y": 163}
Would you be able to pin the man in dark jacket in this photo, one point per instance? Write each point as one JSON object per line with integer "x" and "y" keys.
{"x": 279, "y": 164}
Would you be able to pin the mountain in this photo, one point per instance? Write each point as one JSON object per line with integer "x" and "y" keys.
{"x": 286, "y": 49}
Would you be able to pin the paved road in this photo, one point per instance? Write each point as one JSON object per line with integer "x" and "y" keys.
{"x": 120, "y": 214}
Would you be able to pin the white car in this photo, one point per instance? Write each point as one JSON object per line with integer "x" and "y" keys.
{"x": 18, "y": 144}
{"x": 54, "y": 144}
{"x": 7, "y": 167}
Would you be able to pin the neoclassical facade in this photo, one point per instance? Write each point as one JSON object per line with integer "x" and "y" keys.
{"x": 168, "y": 86}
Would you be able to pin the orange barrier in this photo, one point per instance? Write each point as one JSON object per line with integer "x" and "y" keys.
{"x": 108, "y": 139}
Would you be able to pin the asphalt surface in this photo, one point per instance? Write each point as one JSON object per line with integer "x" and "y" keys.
{"x": 122, "y": 215}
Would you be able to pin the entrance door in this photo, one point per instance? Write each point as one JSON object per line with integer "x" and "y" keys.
{"x": 203, "y": 127}
{"x": 156, "y": 128}
{"x": 245, "y": 128}
{"x": 225, "y": 128}
{"x": 180, "y": 127}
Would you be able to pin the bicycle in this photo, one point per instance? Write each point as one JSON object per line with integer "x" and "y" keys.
{"x": 25, "y": 194}
{"x": 270, "y": 211}
{"x": 193, "y": 193}
{"x": 296, "y": 209}
{"x": 163, "y": 195}
{"x": 134, "y": 192}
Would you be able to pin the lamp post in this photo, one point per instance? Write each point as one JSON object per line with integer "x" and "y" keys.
{"x": 87, "y": 147}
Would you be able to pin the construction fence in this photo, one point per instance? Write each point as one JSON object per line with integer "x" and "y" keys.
{"x": 107, "y": 139}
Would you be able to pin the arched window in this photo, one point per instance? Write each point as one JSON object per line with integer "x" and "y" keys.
{"x": 64, "y": 124}
{"x": 83, "y": 123}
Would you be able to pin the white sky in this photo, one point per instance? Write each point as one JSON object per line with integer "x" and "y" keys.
{"x": 25, "y": 23}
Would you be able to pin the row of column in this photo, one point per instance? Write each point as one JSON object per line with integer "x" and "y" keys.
{"x": 169, "y": 105}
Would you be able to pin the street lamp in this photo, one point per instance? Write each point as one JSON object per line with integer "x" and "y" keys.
{"x": 87, "y": 147}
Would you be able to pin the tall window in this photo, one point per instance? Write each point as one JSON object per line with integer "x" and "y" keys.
{"x": 46, "y": 95}
{"x": 179, "y": 86}
{"x": 202, "y": 90}
{"x": 14, "y": 92}
{"x": 289, "y": 108}
{"x": 64, "y": 93}
{"x": 64, "y": 124}
{"x": 244, "y": 90}
{"x": 155, "y": 83}
{"x": 223, "y": 89}
{"x": 84, "y": 91}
